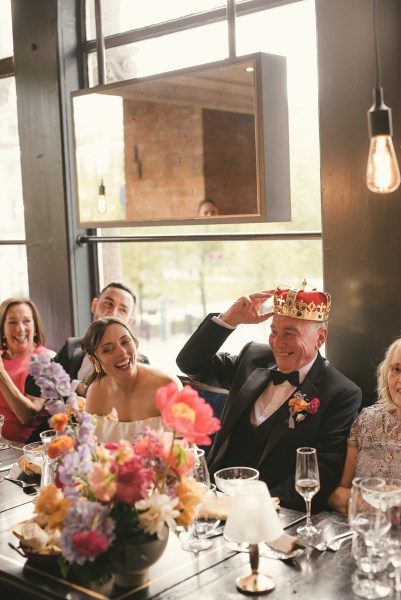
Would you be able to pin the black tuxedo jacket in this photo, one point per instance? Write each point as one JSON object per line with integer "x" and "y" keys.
{"x": 246, "y": 376}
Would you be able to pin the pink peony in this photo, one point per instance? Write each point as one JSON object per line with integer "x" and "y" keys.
{"x": 187, "y": 413}
{"x": 132, "y": 481}
{"x": 89, "y": 543}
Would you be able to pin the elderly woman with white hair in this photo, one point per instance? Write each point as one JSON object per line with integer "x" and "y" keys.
{"x": 374, "y": 443}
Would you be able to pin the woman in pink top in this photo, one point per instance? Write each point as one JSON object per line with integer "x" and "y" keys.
{"x": 22, "y": 335}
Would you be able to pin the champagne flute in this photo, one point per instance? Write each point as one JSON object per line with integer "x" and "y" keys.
{"x": 200, "y": 472}
{"x": 307, "y": 484}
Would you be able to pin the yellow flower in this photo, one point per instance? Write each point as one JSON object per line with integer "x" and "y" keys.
{"x": 182, "y": 410}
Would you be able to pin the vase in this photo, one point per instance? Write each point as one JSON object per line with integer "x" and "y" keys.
{"x": 132, "y": 567}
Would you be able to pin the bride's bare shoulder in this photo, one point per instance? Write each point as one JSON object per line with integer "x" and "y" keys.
{"x": 157, "y": 376}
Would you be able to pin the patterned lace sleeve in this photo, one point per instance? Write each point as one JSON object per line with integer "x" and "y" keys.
{"x": 356, "y": 433}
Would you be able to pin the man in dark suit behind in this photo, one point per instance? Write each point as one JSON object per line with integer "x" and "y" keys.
{"x": 267, "y": 417}
{"x": 115, "y": 300}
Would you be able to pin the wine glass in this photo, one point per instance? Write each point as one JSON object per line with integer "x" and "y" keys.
{"x": 228, "y": 479}
{"x": 307, "y": 484}
{"x": 371, "y": 562}
{"x": 204, "y": 522}
{"x": 3, "y": 445}
{"x": 391, "y": 503}
{"x": 367, "y": 517}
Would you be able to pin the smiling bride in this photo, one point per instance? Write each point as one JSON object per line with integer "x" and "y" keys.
{"x": 121, "y": 392}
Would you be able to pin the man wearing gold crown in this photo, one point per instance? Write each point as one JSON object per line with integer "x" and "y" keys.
{"x": 282, "y": 396}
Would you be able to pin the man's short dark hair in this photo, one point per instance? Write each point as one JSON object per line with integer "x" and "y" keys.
{"x": 120, "y": 286}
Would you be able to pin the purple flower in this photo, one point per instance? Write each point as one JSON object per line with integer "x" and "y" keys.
{"x": 55, "y": 406}
{"x": 85, "y": 517}
{"x": 47, "y": 388}
{"x": 76, "y": 465}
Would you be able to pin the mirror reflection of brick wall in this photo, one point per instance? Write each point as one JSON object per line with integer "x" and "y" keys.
{"x": 176, "y": 155}
{"x": 230, "y": 161}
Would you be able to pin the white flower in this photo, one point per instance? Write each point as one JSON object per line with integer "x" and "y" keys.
{"x": 300, "y": 417}
{"x": 159, "y": 512}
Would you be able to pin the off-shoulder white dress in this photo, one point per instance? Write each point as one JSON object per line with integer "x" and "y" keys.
{"x": 108, "y": 430}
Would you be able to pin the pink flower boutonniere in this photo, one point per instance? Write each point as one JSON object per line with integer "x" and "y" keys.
{"x": 300, "y": 406}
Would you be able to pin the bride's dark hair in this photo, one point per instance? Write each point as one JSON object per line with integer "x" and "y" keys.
{"x": 92, "y": 339}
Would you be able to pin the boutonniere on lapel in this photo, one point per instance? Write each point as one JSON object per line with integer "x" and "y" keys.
{"x": 301, "y": 407}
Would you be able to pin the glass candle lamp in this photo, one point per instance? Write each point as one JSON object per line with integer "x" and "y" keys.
{"x": 253, "y": 519}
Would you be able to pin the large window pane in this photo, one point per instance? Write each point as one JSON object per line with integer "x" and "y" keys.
{"x": 12, "y": 221}
{"x": 124, "y": 15}
{"x": 14, "y": 272}
{"x": 6, "y": 37}
{"x": 288, "y": 31}
{"x": 178, "y": 284}
{"x": 174, "y": 51}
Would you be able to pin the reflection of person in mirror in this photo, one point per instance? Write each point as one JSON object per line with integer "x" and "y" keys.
{"x": 281, "y": 396}
{"x": 208, "y": 208}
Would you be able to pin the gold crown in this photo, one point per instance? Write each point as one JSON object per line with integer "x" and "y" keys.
{"x": 300, "y": 304}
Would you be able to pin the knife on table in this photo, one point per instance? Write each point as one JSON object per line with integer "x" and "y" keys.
{"x": 6, "y": 467}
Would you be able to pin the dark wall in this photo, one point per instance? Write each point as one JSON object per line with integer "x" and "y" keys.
{"x": 361, "y": 230}
{"x": 46, "y": 70}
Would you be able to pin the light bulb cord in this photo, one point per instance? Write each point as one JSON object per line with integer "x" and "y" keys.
{"x": 376, "y": 44}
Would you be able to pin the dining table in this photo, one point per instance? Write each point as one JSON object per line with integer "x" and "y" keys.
{"x": 178, "y": 574}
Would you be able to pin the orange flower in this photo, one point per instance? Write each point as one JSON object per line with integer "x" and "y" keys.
{"x": 300, "y": 406}
{"x": 59, "y": 446}
{"x": 59, "y": 421}
{"x": 52, "y": 503}
{"x": 81, "y": 405}
{"x": 190, "y": 495}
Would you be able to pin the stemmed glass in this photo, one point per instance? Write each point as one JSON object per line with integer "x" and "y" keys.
{"x": 228, "y": 479}
{"x": 200, "y": 472}
{"x": 307, "y": 484}
{"x": 202, "y": 524}
{"x": 391, "y": 498}
{"x": 367, "y": 517}
{"x": 3, "y": 445}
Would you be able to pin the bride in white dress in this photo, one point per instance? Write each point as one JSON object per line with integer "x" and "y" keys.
{"x": 121, "y": 392}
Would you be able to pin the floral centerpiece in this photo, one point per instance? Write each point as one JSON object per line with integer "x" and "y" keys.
{"x": 107, "y": 496}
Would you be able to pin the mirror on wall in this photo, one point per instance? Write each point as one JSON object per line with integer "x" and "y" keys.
{"x": 207, "y": 144}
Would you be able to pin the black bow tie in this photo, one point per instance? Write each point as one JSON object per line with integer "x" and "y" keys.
{"x": 279, "y": 377}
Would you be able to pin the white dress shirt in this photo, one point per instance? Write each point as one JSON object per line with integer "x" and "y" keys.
{"x": 273, "y": 396}
{"x": 84, "y": 370}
